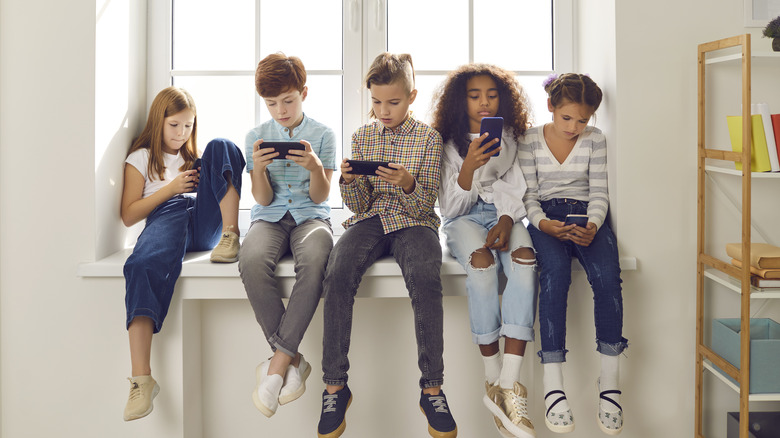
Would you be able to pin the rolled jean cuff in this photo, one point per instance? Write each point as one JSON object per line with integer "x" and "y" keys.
{"x": 517, "y": 332}
{"x": 334, "y": 382}
{"x": 487, "y": 338}
{"x": 611, "y": 349}
{"x": 431, "y": 383}
{"x": 276, "y": 342}
{"x": 553, "y": 356}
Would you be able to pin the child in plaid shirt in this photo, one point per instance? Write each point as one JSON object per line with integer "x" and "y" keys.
{"x": 393, "y": 215}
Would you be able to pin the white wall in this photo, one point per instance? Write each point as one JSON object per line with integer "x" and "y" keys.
{"x": 64, "y": 348}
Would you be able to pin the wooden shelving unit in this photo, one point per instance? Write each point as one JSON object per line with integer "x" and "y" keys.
{"x": 710, "y": 268}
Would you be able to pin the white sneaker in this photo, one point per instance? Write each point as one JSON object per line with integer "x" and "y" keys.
{"x": 294, "y": 382}
{"x": 610, "y": 422}
{"x": 266, "y": 393}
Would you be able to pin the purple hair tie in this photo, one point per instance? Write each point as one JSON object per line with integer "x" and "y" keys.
{"x": 550, "y": 79}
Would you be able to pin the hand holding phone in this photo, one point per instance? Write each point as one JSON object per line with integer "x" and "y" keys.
{"x": 494, "y": 126}
{"x": 581, "y": 220}
{"x": 365, "y": 167}
{"x": 283, "y": 147}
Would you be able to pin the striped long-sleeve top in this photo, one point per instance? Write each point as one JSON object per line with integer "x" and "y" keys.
{"x": 581, "y": 176}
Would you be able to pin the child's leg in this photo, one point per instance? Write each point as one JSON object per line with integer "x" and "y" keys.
{"x": 140, "y": 335}
{"x": 418, "y": 253}
{"x": 218, "y": 192}
{"x": 358, "y": 248}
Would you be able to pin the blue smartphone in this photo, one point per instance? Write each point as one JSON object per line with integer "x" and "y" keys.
{"x": 494, "y": 126}
{"x": 581, "y": 220}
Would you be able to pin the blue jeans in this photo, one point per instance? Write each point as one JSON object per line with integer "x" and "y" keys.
{"x": 418, "y": 253}
{"x": 180, "y": 224}
{"x": 602, "y": 265}
{"x": 491, "y": 317}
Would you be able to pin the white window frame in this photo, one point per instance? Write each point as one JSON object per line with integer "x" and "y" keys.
{"x": 363, "y": 32}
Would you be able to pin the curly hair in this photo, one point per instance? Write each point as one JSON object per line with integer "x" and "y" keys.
{"x": 574, "y": 88}
{"x": 450, "y": 117}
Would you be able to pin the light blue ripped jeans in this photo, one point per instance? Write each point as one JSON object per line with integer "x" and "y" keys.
{"x": 490, "y": 316}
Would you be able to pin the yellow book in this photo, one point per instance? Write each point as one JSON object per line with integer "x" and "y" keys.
{"x": 759, "y": 152}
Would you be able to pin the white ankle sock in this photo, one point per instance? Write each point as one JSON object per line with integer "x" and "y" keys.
{"x": 492, "y": 367}
{"x": 553, "y": 381}
{"x": 510, "y": 371}
{"x": 608, "y": 380}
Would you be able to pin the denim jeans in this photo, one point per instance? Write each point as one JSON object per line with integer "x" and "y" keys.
{"x": 418, "y": 252}
{"x": 491, "y": 317}
{"x": 266, "y": 243}
{"x": 180, "y": 224}
{"x": 602, "y": 265}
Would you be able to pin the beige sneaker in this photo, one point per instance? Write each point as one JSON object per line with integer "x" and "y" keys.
{"x": 510, "y": 406}
{"x": 143, "y": 389}
{"x": 226, "y": 250}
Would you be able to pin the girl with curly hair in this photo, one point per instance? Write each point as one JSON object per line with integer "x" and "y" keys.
{"x": 481, "y": 200}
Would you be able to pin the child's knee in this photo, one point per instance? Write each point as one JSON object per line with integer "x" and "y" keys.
{"x": 481, "y": 259}
{"x": 524, "y": 256}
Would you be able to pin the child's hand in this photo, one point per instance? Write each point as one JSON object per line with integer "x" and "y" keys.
{"x": 498, "y": 236}
{"x": 306, "y": 158}
{"x": 397, "y": 175}
{"x": 345, "y": 169}
{"x": 184, "y": 182}
{"x": 475, "y": 157}
{"x": 583, "y": 236}
{"x": 262, "y": 157}
{"x": 556, "y": 229}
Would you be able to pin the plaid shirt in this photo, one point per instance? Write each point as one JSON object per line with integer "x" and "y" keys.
{"x": 418, "y": 148}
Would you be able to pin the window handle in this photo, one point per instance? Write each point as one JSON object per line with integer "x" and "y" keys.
{"x": 354, "y": 16}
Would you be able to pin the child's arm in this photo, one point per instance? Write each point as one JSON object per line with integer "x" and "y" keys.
{"x": 598, "y": 195}
{"x": 135, "y": 207}
{"x": 319, "y": 180}
{"x": 419, "y": 202}
{"x": 355, "y": 191}
{"x": 457, "y": 194}
{"x": 262, "y": 190}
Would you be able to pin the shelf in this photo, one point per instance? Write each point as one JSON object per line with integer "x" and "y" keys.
{"x": 735, "y": 172}
{"x": 723, "y": 378}
{"x": 734, "y": 285}
{"x": 738, "y": 57}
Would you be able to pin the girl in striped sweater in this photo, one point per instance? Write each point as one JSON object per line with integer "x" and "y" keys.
{"x": 565, "y": 166}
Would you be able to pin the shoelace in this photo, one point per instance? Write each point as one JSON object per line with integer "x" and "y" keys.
{"x": 520, "y": 405}
{"x": 135, "y": 389}
{"x": 439, "y": 404}
{"x": 329, "y": 403}
{"x": 225, "y": 242}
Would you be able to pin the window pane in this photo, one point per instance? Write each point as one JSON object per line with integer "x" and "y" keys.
{"x": 426, "y": 87}
{"x": 226, "y": 108}
{"x": 203, "y": 29}
{"x": 516, "y": 35}
{"x": 532, "y": 85}
{"x": 437, "y": 39}
{"x": 308, "y": 29}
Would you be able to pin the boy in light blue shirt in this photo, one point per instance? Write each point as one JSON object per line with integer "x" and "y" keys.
{"x": 291, "y": 216}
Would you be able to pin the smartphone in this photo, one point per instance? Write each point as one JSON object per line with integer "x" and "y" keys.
{"x": 494, "y": 126}
{"x": 283, "y": 147}
{"x": 581, "y": 220}
{"x": 196, "y": 164}
{"x": 362, "y": 167}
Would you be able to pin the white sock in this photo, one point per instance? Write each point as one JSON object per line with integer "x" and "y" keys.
{"x": 510, "y": 371}
{"x": 553, "y": 381}
{"x": 608, "y": 380}
{"x": 492, "y": 367}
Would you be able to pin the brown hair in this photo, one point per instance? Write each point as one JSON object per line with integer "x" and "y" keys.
{"x": 574, "y": 88}
{"x": 450, "y": 116}
{"x": 389, "y": 68}
{"x": 277, "y": 73}
{"x": 168, "y": 102}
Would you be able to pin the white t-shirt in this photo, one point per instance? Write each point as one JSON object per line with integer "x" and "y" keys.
{"x": 140, "y": 160}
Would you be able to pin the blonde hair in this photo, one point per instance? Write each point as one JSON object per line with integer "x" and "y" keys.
{"x": 389, "y": 68}
{"x": 168, "y": 102}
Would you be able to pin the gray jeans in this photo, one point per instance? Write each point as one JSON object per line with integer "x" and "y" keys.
{"x": 266, "y": 243}
{"x": 418, "y": 252}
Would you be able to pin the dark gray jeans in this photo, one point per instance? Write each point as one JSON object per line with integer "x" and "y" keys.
{"x": 418, "y": 252}
{"x": 266, "y": 243}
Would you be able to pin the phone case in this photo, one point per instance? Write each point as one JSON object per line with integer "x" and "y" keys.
{"x": 494, "y": 126}
{"x": 283, "y": 147}
{"x": 581, "y": 220}
{"x": 361, "y": 167}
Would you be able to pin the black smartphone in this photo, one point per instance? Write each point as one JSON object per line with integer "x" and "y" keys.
{"x": 494, "y": 126}
{"x": 362, "y": 167}
{"x": 283, "y": 147}
{"x": 581, "y": 220}
{"x": 196, "y": 164}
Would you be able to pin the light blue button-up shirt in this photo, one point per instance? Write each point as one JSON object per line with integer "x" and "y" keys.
{"x": 290, "y": 181}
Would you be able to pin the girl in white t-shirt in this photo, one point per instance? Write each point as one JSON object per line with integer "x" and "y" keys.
{"x": 160, "y": 183}
{"x": 481, "y": 200}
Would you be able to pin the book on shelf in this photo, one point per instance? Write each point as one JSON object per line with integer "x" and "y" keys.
{"x": 762, "y": 255}
{"x": 759, "y": 152}
{"x": 763, "y": 273}
{"x": 759, "y": 282}
{"x": 776, "y": 128}
{"x": 762, "y": 109}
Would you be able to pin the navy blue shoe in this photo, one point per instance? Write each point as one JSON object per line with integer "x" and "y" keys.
{"x": 440, "y": 421}
{"x": 334, "y": 408}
